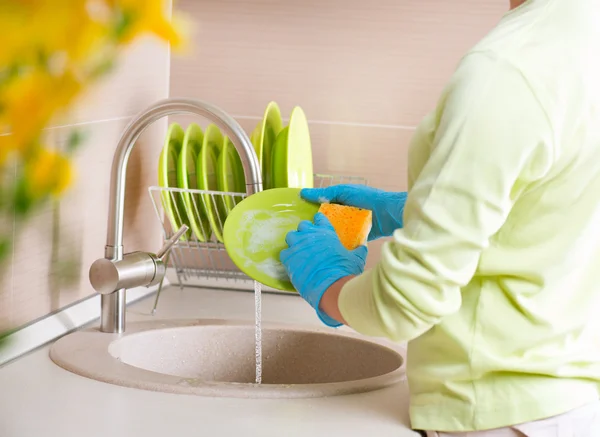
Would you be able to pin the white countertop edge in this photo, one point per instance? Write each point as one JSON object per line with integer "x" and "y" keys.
{"x": 60, "y": 323}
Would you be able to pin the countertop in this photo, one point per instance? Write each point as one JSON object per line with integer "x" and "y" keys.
{"x": 38, "y": 398}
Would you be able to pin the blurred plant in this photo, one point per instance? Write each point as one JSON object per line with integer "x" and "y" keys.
{"x": 51, "y": 52}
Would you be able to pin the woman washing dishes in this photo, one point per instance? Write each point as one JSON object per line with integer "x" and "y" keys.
{"x": 493, "y": 271}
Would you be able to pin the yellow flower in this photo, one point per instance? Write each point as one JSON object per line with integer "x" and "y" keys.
{"x": 49, "y": 51}
{"x": 7, "y": 146}
{"x": 35, "y": 27}
{"x": 32, "y": 99}
{"x": 12, "y": 39}
{"x": 47, "y": 172}
{"x": 148, "y": 16}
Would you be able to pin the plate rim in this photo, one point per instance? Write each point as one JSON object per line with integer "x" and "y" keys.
{"x": 163, "y": 169}
{"x": 203, "y": 178}
{"x": 196, "y": 223}
{"x": 297, "y": 116}
{"x": 225, "y": 157}
{"x": 280, "y": 149}
{"x": 272, "y": 110}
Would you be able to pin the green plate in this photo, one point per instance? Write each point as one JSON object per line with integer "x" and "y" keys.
{"x": 230, "y": 174}
{"x": 263, "y": 138}
{"x": 292, "y": 165}
{"x": 207, "y": 179}
{"x": 254, "y": 139}
{"x": 187, "y": 179}
{"x": 167, "y": 177}
{"x": 255, "y": 233}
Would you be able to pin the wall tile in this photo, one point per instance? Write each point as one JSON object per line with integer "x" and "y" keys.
{"x": 139, "y": 79}
{"x": 375, "y": 153}
{"x": 381, "y": 62}
{"x": 30, "y": 297}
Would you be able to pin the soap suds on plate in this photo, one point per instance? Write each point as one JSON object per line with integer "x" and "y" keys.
{"x": 264, "y": 229}
{"x": 261, "y": 232}
{"x": 273, "y": 268}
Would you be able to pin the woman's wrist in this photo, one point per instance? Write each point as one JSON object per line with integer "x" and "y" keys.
{"x": 329, "y": 301}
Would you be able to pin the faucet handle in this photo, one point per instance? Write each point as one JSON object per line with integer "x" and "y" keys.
{"x": 171, "y": 242}
{"x": 136, "y": 269}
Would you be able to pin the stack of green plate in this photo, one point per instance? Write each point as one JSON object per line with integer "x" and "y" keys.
{"x": 202, "y": 161}
{"x": 207, "y": 160}
{"x": 284, "y": 152}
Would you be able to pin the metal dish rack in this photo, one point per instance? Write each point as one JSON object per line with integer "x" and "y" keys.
{"x": 206, "y": 257}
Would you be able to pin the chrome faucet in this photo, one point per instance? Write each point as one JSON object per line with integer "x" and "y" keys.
{"x": 111, "y": 275}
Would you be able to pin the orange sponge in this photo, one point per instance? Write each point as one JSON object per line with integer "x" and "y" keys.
{"x": 351, "y": 224}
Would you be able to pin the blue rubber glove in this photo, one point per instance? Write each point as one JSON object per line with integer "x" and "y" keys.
{"x": 387, "y": 207}
{"x": 316, "y": 259}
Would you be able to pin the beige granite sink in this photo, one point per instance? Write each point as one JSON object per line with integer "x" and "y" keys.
{"x": 217, "y": 358}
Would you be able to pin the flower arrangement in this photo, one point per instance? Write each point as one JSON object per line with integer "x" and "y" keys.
{"x": 51, "y": 51}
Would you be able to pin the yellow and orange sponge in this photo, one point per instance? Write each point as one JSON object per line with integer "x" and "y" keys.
{"x": 352, "y": 225}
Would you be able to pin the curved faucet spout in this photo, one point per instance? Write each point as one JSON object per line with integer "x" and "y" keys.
{"x": 113, "y": 305}
{"x": 231, "y": 128}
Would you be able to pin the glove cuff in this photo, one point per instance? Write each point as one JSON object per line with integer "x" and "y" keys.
{"x": 332, "y": 323}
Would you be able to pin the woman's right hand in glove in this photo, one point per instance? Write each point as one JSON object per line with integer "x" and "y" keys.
{"x": 387, "y": 207}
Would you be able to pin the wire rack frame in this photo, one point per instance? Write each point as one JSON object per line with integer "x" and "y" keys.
{"x": 201, "y": 252}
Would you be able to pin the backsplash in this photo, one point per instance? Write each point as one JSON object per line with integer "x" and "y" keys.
{"x": 53, "y": 251}
{"x": 365, "y": 73}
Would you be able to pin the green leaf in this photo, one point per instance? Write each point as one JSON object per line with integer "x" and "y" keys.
{"x": 41, "y": 57}
{"x": 23, "y": 201}
{"x": 103, "y": 68}
{"x": 123, "y": 22}
{"x": 9, "y": 73}
{"x": 75, "y": 140}
{"x": 4, "y": 337}
{"x": 5, "y": 248}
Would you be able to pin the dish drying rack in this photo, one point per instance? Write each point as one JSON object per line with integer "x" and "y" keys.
{"x": 191, "y": 258}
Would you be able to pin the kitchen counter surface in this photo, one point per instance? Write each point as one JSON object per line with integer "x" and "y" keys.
{"x": 38, "y": 398}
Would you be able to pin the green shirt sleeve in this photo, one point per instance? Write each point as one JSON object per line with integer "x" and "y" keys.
{"x": 492, "y": 140}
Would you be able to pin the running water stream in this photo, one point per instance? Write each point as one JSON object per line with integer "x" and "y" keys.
{"x": 258, "y": 330}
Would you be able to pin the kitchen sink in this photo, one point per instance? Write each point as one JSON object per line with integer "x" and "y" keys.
{"x": 217, "y": 358}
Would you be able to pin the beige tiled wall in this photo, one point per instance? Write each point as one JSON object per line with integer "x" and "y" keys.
{"x": 52, "y": 253}
{"x": 365, "y": 72}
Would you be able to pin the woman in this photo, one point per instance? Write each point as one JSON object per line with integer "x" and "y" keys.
{"x": 492, "y": 273}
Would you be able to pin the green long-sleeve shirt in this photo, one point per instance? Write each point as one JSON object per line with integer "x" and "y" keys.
{"x": 495, "y": 278}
